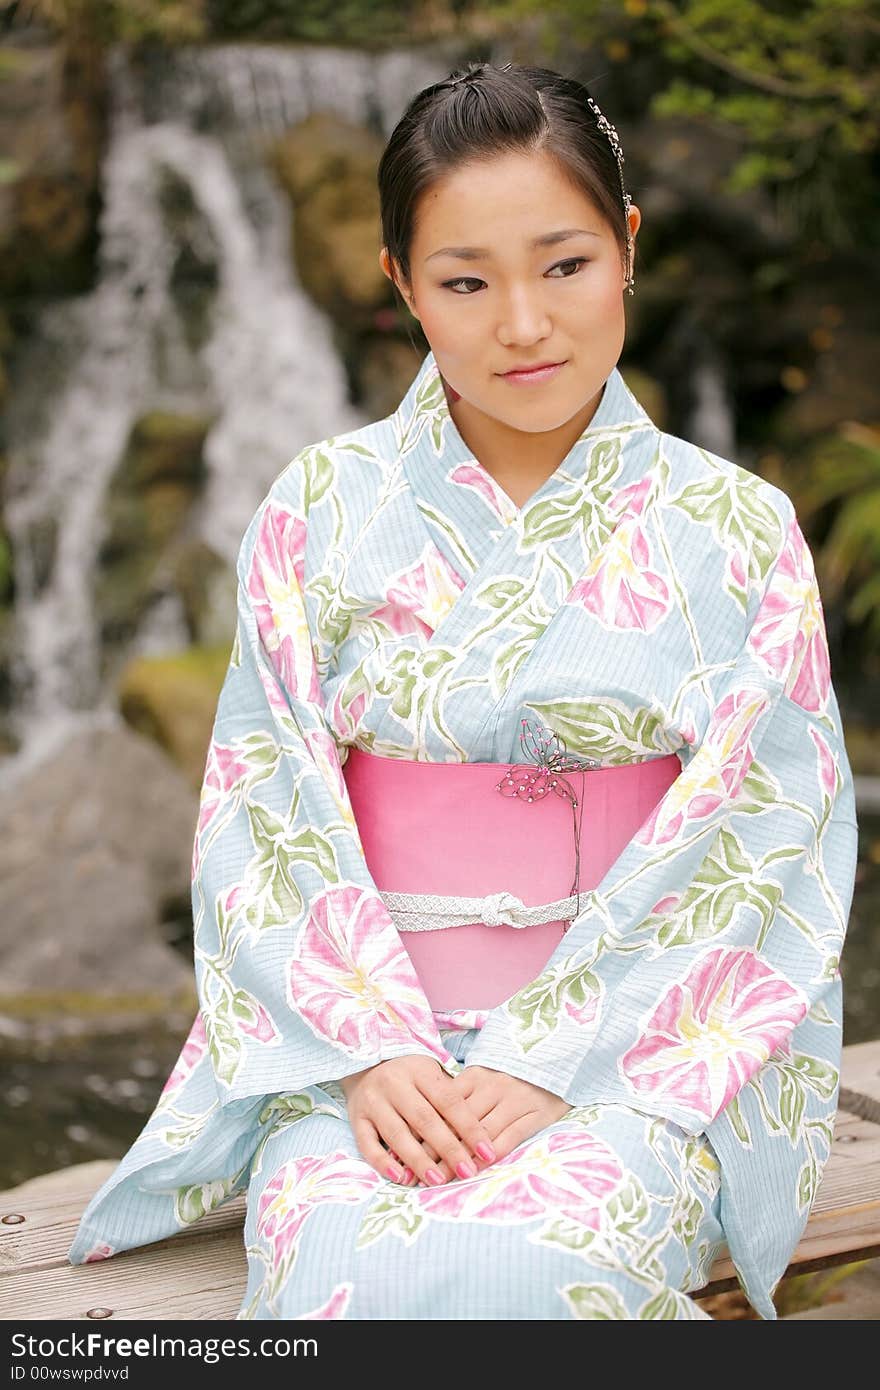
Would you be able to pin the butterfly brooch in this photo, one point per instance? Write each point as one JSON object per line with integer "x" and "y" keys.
{"x": 545, "y": 775}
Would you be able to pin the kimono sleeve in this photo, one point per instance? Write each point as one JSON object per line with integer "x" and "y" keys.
{"x": 300, "y": 971}
{"x": 706, "y": 960}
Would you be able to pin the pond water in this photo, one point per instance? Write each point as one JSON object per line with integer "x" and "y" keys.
{"x": 89, "y": 1097}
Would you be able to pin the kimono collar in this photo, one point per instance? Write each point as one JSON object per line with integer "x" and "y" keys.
{"x": 424, "y": 427}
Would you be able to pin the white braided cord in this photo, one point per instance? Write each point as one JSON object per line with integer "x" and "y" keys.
{"x": 433, "y": 912}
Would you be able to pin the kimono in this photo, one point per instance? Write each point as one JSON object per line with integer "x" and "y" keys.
{"x": 649, "y": 598}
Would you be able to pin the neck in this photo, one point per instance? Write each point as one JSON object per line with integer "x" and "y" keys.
{"x": 520, "y": 462}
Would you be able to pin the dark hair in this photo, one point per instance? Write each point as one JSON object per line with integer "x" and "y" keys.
{"x": 482, "y": 110}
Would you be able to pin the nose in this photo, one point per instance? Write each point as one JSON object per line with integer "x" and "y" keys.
{"x": 524, "y": 319}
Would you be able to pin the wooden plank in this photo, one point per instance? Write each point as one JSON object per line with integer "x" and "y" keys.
{"x": 52, "y": 1214}
{"x": 183, "y": 1278}
{"x": 860, "y": 1080}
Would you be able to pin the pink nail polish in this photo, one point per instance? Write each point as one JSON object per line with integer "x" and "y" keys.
{"x": 485, "y": 1151}
{"x": 433, "y": 1177}
{"x": 465, "y": 1170}
{"x": 408, "y": 1175}
{"x": 393, "y": 1172}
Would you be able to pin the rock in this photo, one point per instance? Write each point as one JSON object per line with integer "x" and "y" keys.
{"x": 52, "y": 131}
{"x": 173, "y": 700}
{"x": 328, "y": 167}
{"x": 148, "y": 505}
{"x": 94, "y": 843}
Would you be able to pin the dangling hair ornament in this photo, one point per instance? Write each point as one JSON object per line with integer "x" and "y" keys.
{"x": 614, "y": 141}
{"x": 545, "y": 773}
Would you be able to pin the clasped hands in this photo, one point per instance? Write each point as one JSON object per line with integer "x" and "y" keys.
{"x": 415, "y": 1123}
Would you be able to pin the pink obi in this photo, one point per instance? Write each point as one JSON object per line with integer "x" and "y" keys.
{"x": 445, "y": 828}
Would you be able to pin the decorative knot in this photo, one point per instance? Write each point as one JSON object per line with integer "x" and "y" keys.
{"x": 500, "y": 909}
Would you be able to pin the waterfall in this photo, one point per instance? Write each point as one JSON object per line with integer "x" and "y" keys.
{"x": 267, "y": 374}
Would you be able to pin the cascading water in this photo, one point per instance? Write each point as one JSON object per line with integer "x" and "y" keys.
{"x": 267, "y": 373}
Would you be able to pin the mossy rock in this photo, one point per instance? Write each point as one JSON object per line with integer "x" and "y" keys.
{"x": 327, "y": 166}
{"x": 173, "y": 700}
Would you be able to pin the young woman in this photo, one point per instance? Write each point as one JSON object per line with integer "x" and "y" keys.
{"x": 527, "y": 835}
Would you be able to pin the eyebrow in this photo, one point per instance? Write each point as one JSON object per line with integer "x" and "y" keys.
{"x": 478, "y": 253}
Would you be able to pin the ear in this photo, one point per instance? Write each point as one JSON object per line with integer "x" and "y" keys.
{"x": 392, "y": 270}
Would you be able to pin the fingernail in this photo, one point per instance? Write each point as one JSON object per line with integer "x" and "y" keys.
{"x": 433, "y": 1177}
{"x": 484, "y": 1150}
{"x": 408, "y": 1175}
{"x": 465, "y": 1170}
{"x": 393, "y": 1172}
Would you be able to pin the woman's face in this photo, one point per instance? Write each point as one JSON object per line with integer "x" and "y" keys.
{"x": 513, "y": 303}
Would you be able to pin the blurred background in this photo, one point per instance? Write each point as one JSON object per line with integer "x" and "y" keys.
{"x": 190, "y": 293}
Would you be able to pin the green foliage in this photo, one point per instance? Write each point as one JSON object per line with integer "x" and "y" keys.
{"x": 128, "y": 21}
{"x": 795, "y": 82}
{"x": 844, "y": 468}
{"x": 341, "y": 21}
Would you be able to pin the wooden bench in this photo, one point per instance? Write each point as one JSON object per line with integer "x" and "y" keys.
{"x": 202, "y": 1273}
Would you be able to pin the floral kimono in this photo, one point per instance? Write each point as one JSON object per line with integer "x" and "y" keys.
{"x": 649, "y": 598}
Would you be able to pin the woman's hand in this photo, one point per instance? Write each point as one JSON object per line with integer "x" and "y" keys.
{"x": 422, "y": 1115}
{"x": 511, "y": 1110}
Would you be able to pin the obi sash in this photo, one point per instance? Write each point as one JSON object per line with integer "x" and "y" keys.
{"x": 460, "y": 864}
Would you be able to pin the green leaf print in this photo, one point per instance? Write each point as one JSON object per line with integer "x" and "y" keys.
{"x": 733, "y": 1113}
{"x": 273, "y": 898}
{"x": 739, "y": 516}
{"x": 608, "y": 729}
{"x": 314, "y": 849}
{"x": 290, "y": 1107}
{"x": 501, "y": 593}
{"x": 568, "y": 1234}
{"x": 224, "y": 1040}
{"x": 192, "y": 1203}
{"x": 319, "y": 470}
{"x": 334, "y": 610}
{"x": 393, "y": 1214}
{"x": 537, "y": 1008}
{"x": 628, "y": 1208}
{"x": 599, "y": 1301}
{"x": 725, "y": 880}
{"x": 819, "y": 1075}
{"x": 807, "y": 1183}
{"x": 666, "y": 1306}
{"x": 792, "y": 1100}
{"x": 686, "y": 1221}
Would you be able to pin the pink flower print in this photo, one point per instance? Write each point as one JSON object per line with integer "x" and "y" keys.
{"x": 352, "y": 979}
{"x": 460, "y": 1020}
{"x": 712, "y": 1031}
{"x": 788, "y": 634}
{"x": 620, "y": 587}
{"x": 419, "y": 598}
{"x": 224, "y": 770}
{"x": 630, "y": 500}
{"x": 261, "y": 1026}
{"x": 98, "y": 1252}
{"x": 336, "y": 1306}
{"x": 195, "y": 1046}
{"x": 558, "y": 1173}
{"x": 325, "y": 752}
{"x": 274, "y": 585}
{"x": 828, "y": 773}
{"x": 736, "y": 569}
{"x": 297, "y": 1188}
{"x": 472, "y": 475}
{"x": 715, "y": 773}
{"x": 345, "y": 717}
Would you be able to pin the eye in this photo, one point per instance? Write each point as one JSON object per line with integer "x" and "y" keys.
{"x": 576, "y": 261}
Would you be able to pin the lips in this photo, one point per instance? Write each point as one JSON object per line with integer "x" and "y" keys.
{"x": 536, "y": 367}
